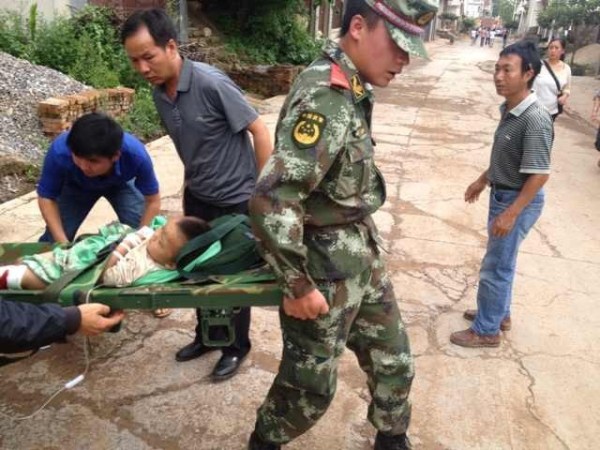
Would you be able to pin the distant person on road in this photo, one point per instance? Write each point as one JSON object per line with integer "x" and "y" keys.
{"x": 95, "y": 159}
{"x": 211, "y": 124}
{"x": 492, "y": 37}
{"x": 473, "y": 36}
{"x": 312, "y": 212}
{"x": 505, "y": 37}
{"x": 519, "y": 168}
{"x": 553, "y": 85}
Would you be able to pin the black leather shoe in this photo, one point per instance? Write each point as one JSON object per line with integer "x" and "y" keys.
{"x": 256, "y": 443}
{"x": 389, "y": 442}
{"x": 192, "y": 350}
{"x": 227, "y": 367}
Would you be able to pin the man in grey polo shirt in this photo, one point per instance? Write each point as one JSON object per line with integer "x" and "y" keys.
{"x": 519, "y": 168}
{"x": 209, "y": 121}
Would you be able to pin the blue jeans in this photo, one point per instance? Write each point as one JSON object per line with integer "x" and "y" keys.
{"x": 75, "y": 203}
{"x": 498, "y": 267}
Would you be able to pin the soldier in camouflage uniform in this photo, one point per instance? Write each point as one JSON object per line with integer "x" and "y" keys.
{"x": 312, "y": 213}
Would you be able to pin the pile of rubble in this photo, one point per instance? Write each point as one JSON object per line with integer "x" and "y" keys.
{"x": 22, "y": 86}
{"x": 36, "y": 104}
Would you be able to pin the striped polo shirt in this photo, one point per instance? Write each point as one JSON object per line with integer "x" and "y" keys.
{"x": 522, "y": 144}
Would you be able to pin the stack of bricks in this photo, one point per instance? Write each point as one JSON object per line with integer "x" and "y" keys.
{"x": 57, "y": 114}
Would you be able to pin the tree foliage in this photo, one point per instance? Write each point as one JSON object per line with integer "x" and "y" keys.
{"x": 566, "y": 13}
{"x": 468, "y": 23}
{"x": 506, "y": 9}
{"x": 448, "y": 16}
{"x": 511, "y": 25}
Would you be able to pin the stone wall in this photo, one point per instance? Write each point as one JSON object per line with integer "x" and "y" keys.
{"x": 267, "y": 81}
{"x": 56, "y": 114}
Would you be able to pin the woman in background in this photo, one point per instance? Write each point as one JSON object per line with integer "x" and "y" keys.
{"x": 546, "y": 87}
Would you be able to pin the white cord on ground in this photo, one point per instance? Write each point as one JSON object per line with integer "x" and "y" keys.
{"x": 69, "y": 384}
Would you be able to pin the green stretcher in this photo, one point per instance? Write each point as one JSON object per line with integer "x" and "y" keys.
{"x": 217, "y": 296}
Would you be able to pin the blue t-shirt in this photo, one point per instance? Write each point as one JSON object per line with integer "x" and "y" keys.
{"x": 59, "y": 168}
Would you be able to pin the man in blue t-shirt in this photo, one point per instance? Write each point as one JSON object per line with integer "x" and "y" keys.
{"x": 95, "y": 159}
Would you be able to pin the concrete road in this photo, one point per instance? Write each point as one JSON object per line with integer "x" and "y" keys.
{"x": 434, "y": 127}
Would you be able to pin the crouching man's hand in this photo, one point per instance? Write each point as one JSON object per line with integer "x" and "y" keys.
{"x": 97, "y": 318}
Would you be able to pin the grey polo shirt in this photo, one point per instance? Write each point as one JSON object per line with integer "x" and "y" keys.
{"x": 207, "y": 122}
{"x": 522, "y": 144}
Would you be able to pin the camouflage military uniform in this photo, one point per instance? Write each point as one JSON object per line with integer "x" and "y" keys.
{"x": 312, "y": 212}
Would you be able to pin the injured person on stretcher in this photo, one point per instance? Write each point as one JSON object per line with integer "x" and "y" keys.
{"x": 146, "y": 255}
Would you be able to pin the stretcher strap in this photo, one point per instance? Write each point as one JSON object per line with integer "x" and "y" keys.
{"x": 206, "y": 239}
{"x": 53, "y": 290}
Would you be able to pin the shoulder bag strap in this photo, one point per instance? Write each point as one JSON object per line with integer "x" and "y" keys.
{"x": 53, "y": 290}
{"x": 553, "y": 76}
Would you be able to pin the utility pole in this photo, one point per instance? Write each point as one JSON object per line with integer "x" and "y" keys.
{"x": 183, "y": 21}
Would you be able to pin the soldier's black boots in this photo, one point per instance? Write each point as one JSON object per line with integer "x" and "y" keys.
{"x": 256, "y": 443}
{"x": 387, "y": 442}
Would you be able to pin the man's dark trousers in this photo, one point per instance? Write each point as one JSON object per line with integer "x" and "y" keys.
{"x": 241, "y": 321}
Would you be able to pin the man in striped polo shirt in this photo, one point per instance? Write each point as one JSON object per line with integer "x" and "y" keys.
{"x": 519, "y": 168}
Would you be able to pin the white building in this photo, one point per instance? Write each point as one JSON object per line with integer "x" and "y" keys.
{"x": 453, "y": 7}
{"x": 526, "y": 12}
{"x": 474, "y": 8}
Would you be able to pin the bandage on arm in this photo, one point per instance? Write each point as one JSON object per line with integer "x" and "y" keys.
{"x": 11, "y": 277}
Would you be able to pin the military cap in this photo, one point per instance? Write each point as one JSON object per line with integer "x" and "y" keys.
{"x": 405, "y": 21}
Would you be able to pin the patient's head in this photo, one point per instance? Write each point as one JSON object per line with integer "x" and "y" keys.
{"x": 167, "y": 241}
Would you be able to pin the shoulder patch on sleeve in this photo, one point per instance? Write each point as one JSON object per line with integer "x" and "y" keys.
{"x": 338, "y": 77}
{"x": 308, "y": 129}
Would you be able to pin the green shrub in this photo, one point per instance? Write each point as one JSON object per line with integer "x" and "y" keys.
{"x": 55, "y": 45}
{"x": 90, "y": 67}
{"x": 468, "y": 23}
{"x": 13, "y": 34}
{"x": 448, "y": 16}
{"x": 143, "y": 120}
{"x": 266, "y": 31}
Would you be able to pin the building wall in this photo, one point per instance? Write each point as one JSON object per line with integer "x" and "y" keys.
{"x": 48, "y": 9}
{"x": 128, "y": 6}
{"x": 474, "y": 8}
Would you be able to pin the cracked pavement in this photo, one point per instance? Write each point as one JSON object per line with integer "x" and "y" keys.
{"x": 434, "y": 128}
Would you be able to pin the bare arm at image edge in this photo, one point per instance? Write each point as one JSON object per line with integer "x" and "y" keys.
{"x": 262, "y": 142}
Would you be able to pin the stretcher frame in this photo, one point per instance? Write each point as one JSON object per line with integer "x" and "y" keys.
{"x": 217, "y": 296}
